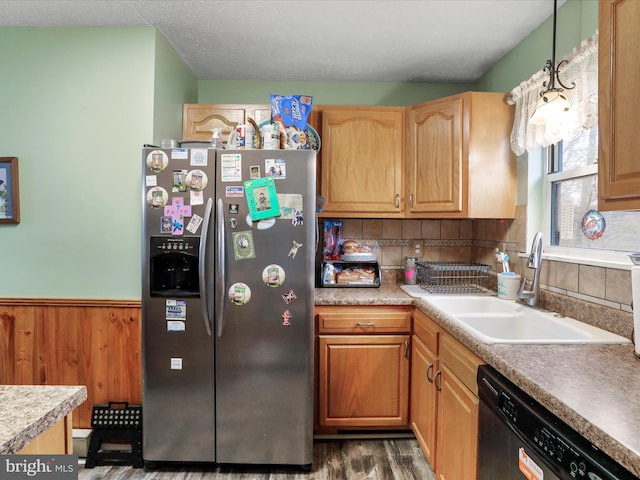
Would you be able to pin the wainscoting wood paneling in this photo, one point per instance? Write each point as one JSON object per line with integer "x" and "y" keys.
{"x": 96, "y": 343}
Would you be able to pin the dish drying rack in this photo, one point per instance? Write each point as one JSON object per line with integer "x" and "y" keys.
{"x": 453, "y": 277}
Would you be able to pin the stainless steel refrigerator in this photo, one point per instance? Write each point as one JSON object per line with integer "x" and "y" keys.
{"x": 227, "y": 306}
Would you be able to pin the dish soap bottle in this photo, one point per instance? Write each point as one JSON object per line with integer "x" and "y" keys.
{"x": 216, "y": 139}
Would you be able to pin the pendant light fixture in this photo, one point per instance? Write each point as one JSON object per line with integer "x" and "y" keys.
{"x": 552, "y": 102}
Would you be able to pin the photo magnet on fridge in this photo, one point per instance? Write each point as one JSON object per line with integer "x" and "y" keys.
{"x": 262, "y": 198}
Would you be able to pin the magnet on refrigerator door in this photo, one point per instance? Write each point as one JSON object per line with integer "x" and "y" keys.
{"x": 243, "y": 246}
{"x": 289, "y": 297}
{"x": 197, "y": 180}
{"x": 239, "y": 293}
{"x": 176, "y": 326}
{"x": 290, "y": 205}
{"x": 262, "y": 198}
{"x": 179, "y": 181}
{"x": 273, "y": 275}
{"x": 275, "y": 167}
{"x": 157, "y": 161}
{"x": 176, "y": 309}
{"x": 294, "y": 249}
{"x": 233, "y": 191}
{"x": 264, "y": 224}
{"x": 286, "y": 318}
{"x": 165, "y": 225}
{"x": 177, "y": 211}
{"x": 151, "y": 180}
{"x": 199, "y": 157}
{"x": 157, "y": 197}
{"x": 298, "y": 219}
{"x": 179, "y": 154}
{"x": 196, "y": 197}
{"x": 231, "y": 167}
{"x": 194, "y": 223}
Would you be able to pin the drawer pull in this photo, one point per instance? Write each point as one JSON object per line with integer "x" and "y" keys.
{"x": 366, "y": 324}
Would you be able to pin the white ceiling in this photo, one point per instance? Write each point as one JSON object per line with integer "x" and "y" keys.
{"x": 313, "y": 40}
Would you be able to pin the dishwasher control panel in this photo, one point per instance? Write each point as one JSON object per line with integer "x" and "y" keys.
{"x": 564, "y": 451}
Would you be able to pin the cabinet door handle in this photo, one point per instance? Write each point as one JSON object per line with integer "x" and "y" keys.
{"x": 366, "y": 324}
{"x": 406, "y": 348}
{"x": 428, "y": 373}
{"x": 436, "y": 380}
{"x": 411, "y": 200}
{"x": 397, "y": 200}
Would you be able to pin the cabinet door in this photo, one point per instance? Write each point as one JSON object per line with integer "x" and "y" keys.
{"x": 199, "y": 119}
{"x": 456, "y": 450}
{"x": 362, "y": 161}
{"x": 618, "y": 105}
{"x": 434, "y": 157}
{"x": 424, "y": 366}
{"x": 363, "y": 380}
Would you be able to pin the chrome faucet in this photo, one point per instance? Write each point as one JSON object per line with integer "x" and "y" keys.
{"x": 530, "y": 297}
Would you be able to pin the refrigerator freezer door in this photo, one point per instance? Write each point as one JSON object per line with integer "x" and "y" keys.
{"x": 177, "y": 351}
{"x": 264, "y": 352}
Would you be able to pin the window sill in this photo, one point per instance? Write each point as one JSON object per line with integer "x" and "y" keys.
{"x": 607, "y": 259}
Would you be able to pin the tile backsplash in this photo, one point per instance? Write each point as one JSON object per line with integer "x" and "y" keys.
{"x": 476, "y": 241}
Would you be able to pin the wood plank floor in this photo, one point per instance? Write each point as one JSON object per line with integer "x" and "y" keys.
{"x": 397, "y": 459}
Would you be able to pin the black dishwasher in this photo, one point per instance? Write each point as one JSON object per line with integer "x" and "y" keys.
{"x": 519, "y": 438}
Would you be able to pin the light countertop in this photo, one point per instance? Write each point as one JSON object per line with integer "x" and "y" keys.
{"x": 26, "y": 411}
{"x": 593, "y": 388}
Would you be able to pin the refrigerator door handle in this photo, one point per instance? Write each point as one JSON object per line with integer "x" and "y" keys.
{"x": 202, "y": 266}
{"x": 220, "y": 267}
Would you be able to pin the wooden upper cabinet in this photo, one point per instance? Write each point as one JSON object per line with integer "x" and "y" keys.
{"x": 198, "y": 119}
{"x": 434, "y": 157}
{"x": 459, "y": 160}
{"x": 362, "y": 161}
{"x": 618, "y": 105}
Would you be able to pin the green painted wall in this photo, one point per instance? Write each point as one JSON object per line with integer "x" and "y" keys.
{"x": 78, "y": 103}
{"x": 175, "y": 85}
{"x": 334, "y": 93}
{"x": 576, "y": 20}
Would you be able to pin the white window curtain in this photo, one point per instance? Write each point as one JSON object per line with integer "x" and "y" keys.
{"x": 582, "y": 68}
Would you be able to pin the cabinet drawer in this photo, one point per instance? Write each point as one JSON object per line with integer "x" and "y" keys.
{"x": 461, "y": 361}
{"x": 426, "y": 330}
{"x": 364, "y": 319}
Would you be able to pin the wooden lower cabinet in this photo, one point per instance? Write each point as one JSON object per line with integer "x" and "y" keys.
{"x": 364, "y": 381}
{"x": 424, "y": 406}
{"x": 363, "y": 367}
{"x": 444, "y": 400}
{"x": 457, "y": 429}
{"x": 57, "y": 440}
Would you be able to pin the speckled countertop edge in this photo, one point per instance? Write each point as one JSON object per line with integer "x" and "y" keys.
{"x": 592, "y": 388}
{"x": 26, "y": 411}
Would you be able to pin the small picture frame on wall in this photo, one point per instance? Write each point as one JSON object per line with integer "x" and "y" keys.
{"x": 9, "y": 190}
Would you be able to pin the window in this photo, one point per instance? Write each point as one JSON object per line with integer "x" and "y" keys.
{"x": 572, "y": 198}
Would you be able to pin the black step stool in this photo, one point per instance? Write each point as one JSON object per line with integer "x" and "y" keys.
{"x": 116, "y": 422}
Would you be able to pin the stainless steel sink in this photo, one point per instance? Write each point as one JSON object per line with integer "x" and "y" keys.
{"x": 492, "y": 320}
